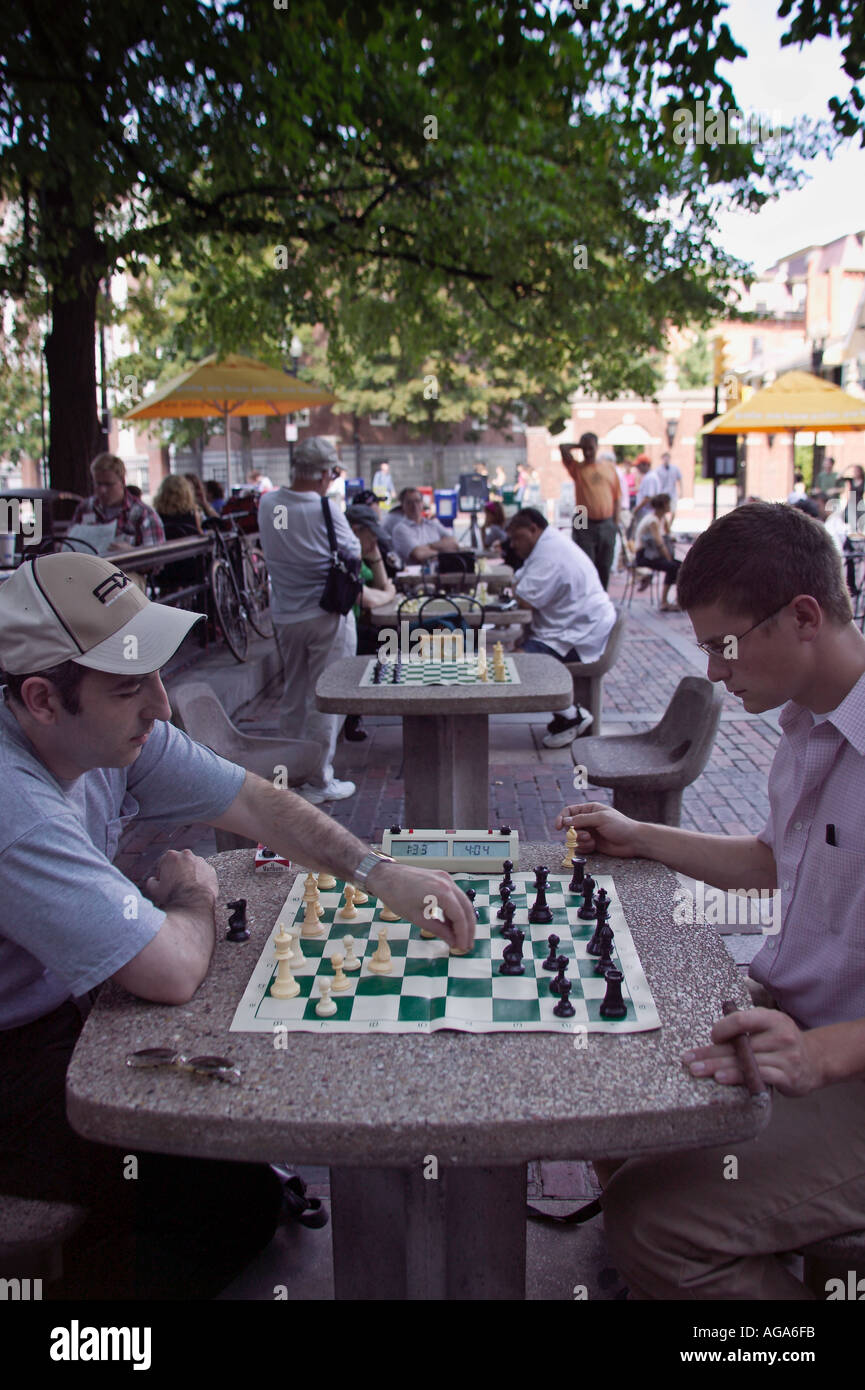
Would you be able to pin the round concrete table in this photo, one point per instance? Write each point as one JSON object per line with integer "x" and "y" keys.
{"x": 497, "y": 577}
{"x": 445, "y": 730}
{"x": 388, "y": 616}
{"x": 377, "y": 1108}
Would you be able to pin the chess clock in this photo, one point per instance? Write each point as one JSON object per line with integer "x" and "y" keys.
{"x": 458, "y": 851}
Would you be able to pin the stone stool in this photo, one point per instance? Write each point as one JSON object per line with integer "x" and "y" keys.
{"x": 648, "y": 772}
{"x": 32, "y": 1234}
{"x": 588, "y": 676}
{"x": 204, "y": 719}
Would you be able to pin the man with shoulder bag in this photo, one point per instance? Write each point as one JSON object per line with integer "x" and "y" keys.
{"x": 313, "y": 558}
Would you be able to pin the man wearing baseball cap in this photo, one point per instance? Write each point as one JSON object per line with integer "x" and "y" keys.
{"x": 85, "y": 747}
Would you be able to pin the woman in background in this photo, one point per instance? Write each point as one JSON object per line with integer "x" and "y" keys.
{"x": 654, "y": 547}
{"x": 174, "y": 503}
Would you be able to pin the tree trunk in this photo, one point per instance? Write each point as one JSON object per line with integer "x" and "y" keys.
{"x": 70, "y": 355}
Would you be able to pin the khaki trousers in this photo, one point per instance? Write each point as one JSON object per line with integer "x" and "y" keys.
{"x": 306, "y": 649}
{"x": 679, "y": 1229}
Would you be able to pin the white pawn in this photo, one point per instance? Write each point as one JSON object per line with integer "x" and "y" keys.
{"x": 360, "y": 897}
{"x": 380, "y": 962}
{"x": 348, "y": 909}
{"x": 325, "y": 1008}
{"x": 351, "y": 962}
{"x": 326, "y": 880}
{"x": 340, "y": 980}
{"x": 387, "y": 914}
{"x": 570, "y": 848}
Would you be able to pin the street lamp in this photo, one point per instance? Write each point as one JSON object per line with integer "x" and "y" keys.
{"x": 671, "y": 423}
{"x": 295, "y": 352}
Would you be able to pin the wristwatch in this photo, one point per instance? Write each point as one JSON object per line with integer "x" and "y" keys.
{"x": 367, "y": 864}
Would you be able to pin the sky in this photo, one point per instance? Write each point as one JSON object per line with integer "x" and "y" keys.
{"x": 784, "y": 83}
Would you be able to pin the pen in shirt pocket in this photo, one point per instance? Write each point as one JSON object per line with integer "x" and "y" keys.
{"x": 830, "y": 835}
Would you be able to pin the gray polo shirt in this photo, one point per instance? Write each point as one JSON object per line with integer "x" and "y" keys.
{"x": 68, "y": 918}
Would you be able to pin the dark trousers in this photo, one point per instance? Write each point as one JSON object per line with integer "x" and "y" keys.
{"x": 656, "y": 562}
{"x": 182, "y": 1228}
{"x": 598, "y": 540}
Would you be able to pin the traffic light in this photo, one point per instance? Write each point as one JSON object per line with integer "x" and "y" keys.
{"x": 721, "y": 363}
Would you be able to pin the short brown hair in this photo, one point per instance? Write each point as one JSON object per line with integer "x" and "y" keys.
{"x": 109, "y": 463}
{"x": 66, "y": 675}
{"x": 758, "y": 558}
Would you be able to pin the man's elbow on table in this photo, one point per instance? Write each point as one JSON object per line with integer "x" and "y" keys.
{"x": 171, "y": 967}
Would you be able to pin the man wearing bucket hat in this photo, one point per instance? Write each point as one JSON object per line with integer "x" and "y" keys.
{"x": 85, "y": 746}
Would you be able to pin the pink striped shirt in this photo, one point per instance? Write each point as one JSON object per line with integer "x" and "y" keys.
{"x": 815, "y": 966}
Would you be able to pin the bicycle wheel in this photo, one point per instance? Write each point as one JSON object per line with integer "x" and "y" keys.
{"x": 256, "y": 592}
{"x": 228, "y": 609}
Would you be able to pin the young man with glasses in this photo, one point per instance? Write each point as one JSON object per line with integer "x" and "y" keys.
{"x": 764, "y": 591}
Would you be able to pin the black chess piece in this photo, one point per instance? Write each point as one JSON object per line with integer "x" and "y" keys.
{"x": 605, "y": 962}
{"x": 614, "y": 1005}
{"x": 396, "y": 830}
{"x": 540, "y": 911}
{"x": 504, "y": 893}
{"x": 564, "y": 1008}
{"x": 471, "y": 894}
{"x": 561, "y": 967}
{"x": 512, "y": 956}
{"x": 594, "y": 946}
{"x": 510, "y": 910}
{"x": 587, "y": 912}
{"x": 397, "y": 674}
{"x": 602, "y": 903}
{"x": 507, "y": 881}
{"x": 377, "y": 673}
{"x": 237, "y": 928}
{"x": 551, "y": 962}
{"x": 577, "y": 875}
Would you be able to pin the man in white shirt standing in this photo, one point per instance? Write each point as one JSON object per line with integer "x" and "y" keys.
{"x": 669, "y": 481}
{"x": 416, "y": 538}
{"x": 572, "y": 615}
{"x": 296, "y": 547}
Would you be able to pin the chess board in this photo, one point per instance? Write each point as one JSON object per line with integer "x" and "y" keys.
{"x": 429, "y": 671}
{"x": 430, "y": 989}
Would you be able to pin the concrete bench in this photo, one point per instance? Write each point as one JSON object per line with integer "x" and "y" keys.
{"x": 835, "y": 1258}
{"x": 32, "y": 1234}
{"x": 203, "y": 718}
{"x": 588, "y": 676}
{"x": 648, "y": 772}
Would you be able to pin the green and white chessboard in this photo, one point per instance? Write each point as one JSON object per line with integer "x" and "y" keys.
{"x": 429, "y": 671}
{"x": 430, "y": 989}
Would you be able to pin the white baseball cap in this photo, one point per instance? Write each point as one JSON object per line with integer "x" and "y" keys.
{"x": 74, "y": 607}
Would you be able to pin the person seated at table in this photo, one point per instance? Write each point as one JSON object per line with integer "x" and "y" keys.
{"x": 378, "y": 590}
{"x": 572, "y": 615}
{"x": 417, "y": 539}
{"x": 135, "y": 523}
{"x": 199, "y": 493}
{"x": 214, "y": 492}
{"x": 764, "y": 591}
{"x": 86, "y": 746}
{"x": 655, "y": 549}
{"x": 392, "y": 518}
{"x": 494, "y": 527}
{"x": 174, "y": 503}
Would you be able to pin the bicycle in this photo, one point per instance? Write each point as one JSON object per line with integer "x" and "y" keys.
{"x": 239, "y": 586}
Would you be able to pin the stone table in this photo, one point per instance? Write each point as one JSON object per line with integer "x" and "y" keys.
{"x": 497, "y": 577}
{"x": 388, "y": 615}
{"x": 378, "y": 1108}
{"x": 445, "y": 734}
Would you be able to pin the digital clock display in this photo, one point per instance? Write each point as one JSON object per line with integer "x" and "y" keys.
{"x": 479, "y": 849}
{"x": 417, "y": 849}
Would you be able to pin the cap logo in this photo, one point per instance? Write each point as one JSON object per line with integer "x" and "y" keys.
{"x": 111, "y": 588}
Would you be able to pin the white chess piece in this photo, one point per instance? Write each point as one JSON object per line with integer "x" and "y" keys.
{"x": 360, "y": 897}
{"x": 325, "y": 1008}
{"x": 310, "y": 894}
{"x": 340, "y": 980}
{"x": 310, "y": 926}
{"x": 387, "y": 914}
{"x": 380, "y": 962}
{"x": 285, "y": 986}
{"x": 326, "y": 881}
{"x": 348, "y": 909}
{"x": 570, "y": 848}
{"x": 296, "y": 956}
{"x": 351, "y": 961}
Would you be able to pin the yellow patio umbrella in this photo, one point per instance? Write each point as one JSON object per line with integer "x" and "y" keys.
{"x": 794, "y": 401}
{"x": 229, "y": 386}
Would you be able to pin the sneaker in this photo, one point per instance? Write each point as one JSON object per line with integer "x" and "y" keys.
{"x": 563, "y": 731}
{"x": 333, "y": 791}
